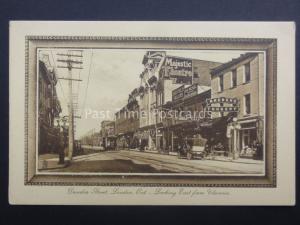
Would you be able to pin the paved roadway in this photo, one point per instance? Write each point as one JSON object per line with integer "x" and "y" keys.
{"x": 141, "y": 162}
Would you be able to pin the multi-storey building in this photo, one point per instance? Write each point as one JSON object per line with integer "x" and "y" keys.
{"x": 49, "y": 105}
{"x": 107, "y": 133}
{"x": 127, "y": 122}
{"x": 188, "y": 110}
{"x": 163, "y": 74}
{"x": 243, "y": 79}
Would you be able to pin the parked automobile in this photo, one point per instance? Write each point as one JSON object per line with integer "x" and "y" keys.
{"x": 190, "y": 151}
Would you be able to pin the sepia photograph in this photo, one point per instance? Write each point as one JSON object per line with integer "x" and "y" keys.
{"x": 151, "y": 114}
{"x": 150, "y": 111}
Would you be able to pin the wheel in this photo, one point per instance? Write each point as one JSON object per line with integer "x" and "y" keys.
{"x": 189, "y": 156}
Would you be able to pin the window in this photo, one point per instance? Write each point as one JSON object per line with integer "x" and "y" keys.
{"x": 246, "y": 138}
{"x": 233, "y": 78}
{"x": 221, "y": 83}
{"x": 196, "y": 74}
{"x": 247, "y": 104}
{"x": 247, "y": 73}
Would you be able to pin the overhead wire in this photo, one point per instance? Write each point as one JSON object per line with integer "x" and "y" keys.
{"x": 88, "y": 81}
{"x": 62, "y": 90}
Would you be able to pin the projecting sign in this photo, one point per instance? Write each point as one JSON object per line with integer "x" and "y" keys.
{"x": 178, "y": 93}
{"x": 183, "y": 93}
{"x": 222, "y": 100}
{"x": 232, "y": 105}
{"x": 191, "y": 91}
{"x": 222, "y": 109}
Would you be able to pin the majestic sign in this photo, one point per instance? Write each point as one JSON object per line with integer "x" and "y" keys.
{"x": 178, "y": 69}
{"x": 179, "y": 64}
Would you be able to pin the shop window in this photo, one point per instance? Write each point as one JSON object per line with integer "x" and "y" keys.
{"x": 233, "y": 78}
{"x": 246, "y": 138}
{"x": 247, "y": 104}
{"x": 247, "y": 75}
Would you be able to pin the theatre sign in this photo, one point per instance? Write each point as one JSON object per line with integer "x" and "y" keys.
{"x": 178, "y": 69}
{"x": 218, "y": 105}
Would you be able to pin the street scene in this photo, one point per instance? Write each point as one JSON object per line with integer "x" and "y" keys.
{"x": 151, "y": 111}
{"x": 138, "y": 162}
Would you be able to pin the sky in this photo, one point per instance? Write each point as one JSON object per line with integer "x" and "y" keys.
{"x": 108, "y": 76}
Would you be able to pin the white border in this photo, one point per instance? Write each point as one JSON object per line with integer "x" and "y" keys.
{"x": 284, "y": 32}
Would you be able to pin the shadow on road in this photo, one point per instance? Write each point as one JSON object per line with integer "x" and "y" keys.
{"x": 112, "y": 166}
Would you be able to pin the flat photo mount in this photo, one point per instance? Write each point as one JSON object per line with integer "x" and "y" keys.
{"x": 266, "y": 45}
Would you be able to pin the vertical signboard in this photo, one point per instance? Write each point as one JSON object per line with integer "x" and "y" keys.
{"x": 179, "y": 69}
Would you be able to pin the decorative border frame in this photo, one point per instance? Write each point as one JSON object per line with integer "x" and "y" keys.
{"x": 268, "y": 45}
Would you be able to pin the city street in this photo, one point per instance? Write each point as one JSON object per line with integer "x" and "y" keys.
{"x": 126, "y": 161}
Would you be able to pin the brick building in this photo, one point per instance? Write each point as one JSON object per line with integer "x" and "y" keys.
{"x": 49, "y": 105}
{"x": 163, "y": 74}
{"x": 107, "y": 134}
{"x": 242, "y": 78}
{"x": 188, "y": 109}
{"x": 127, "y": 123}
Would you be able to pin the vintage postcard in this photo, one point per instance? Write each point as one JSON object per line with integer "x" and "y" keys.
{"x": 159, "y": 113}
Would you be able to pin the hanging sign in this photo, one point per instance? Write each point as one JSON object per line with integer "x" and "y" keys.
{"x": 233, "y": 101}
{"x": 214, "y": 105}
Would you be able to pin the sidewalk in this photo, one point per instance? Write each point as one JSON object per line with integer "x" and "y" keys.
{"x": 50, "y": 161}
{"x": 229, "y": 159}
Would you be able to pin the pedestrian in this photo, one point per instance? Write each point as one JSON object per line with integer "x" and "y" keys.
{"x": 259, "y": 151}
{"x": 61, "y": 147}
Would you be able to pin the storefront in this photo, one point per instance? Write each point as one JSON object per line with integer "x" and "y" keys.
{"x": 122, "y": 142}
{"x": 247, "y": 141}
{"x": 110, "y": 142}
{"x": 186, "y": 131}
{"x": 142, "y": 138}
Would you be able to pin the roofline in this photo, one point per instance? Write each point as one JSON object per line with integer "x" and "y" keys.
{"x": 233, "y": 62}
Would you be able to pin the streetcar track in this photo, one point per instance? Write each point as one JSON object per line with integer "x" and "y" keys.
{"x": 177, "y": 163}
{"x": 172, "y": 164}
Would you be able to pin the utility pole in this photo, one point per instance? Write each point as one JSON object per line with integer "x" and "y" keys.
{"x": 71, "y": 60}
